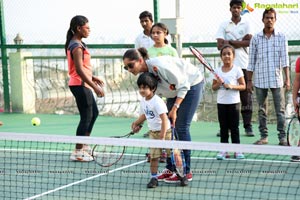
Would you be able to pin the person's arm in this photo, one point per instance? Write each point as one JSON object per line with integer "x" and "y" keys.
{"x": 164, "y": 125}
{"x": 221, "y": 42}
{"x": 241, "y": 86}
{"x": 249, "y": 81}
{"x": 287, "y": 82}
{"x": 137, "y": 124}
{"x": 216, "y": 84}
{"x": 77, "y": 57}
{"x": 241, "y": 43}
{"x": 220, "y": 35}
{"x": 173, "y": 112}
{"x": 251, "y": 65}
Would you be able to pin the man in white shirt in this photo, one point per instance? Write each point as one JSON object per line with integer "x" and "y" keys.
{"x": 144, "y": 39}
{"x": 237, "y": 33}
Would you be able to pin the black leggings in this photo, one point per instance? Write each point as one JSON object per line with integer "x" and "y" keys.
{"x": 87, "y": 107}
{"x": 228, "y": 115}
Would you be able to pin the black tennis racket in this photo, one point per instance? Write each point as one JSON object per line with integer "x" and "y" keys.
{"x": 204, "y": 62}
{"x": 108, "y": 155}
{"x": 177, "y": 159}
{"x": 293, "y": 133}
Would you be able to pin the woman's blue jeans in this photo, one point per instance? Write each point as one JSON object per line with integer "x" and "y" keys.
{"x": 185, "y": 115}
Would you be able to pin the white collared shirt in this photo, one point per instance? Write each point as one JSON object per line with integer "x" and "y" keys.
{"x": 228, "y": 30}
{"x": 143, "y": 40}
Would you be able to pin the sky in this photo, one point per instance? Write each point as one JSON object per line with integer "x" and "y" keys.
{"x": 116, "y": 21}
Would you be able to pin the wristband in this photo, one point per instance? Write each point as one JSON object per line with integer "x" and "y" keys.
{"x": 176, "y": 105}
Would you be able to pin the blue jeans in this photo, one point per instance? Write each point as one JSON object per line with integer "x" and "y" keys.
{"x": 279, "y": 104}
{"x": 185, "y": 115}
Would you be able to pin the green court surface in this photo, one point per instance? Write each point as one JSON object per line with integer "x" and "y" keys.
{"x": 28, "y": 169}
{"x": 110, "y": 126}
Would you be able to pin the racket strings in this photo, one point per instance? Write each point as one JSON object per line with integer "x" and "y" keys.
{"x": 108, "y": 155}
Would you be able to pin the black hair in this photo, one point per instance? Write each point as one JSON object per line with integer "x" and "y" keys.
{"x": 136, "y": 54}
{"x": 269, "y": 10}
{"x": 76, "y": 21}
{"x": 227, "y": 46}
{"x": 162, "y": 26}
{"x": 147, "y": 79}
{"x": 236, "y": 2}
{"x": 146, "y": 14}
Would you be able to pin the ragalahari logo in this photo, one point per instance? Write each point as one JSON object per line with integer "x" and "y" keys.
{"x": 246, "y": 8}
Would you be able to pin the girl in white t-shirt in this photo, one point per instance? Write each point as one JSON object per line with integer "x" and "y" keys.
{"x": 229, "y": 84}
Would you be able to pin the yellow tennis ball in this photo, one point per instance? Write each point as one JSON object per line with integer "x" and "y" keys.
{"x": 35, "y": 121}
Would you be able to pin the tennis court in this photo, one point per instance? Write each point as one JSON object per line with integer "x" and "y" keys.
{"x": 35, "y": 167}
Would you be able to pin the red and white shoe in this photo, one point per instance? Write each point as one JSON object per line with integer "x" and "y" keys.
{"x": 166, "y": 173}
{"x": 175, "y": 178}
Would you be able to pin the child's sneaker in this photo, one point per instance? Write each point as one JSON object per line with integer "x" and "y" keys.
{"x": 239, "y": 155}
{"x": 166, "y": 173}
{"x": 153, "y": 183}
{"x": 81, "y": 156}
{"x": 222, "y": 155}
{"x": 163, "y": 157}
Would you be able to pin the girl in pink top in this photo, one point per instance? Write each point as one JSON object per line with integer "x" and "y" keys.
{"x": 82, "y": 83}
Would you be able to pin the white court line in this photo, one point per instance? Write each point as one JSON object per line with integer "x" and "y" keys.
{"x": 83, "y": 180}
{"x": 55, "y": 151}
{"x": 246, "y": 160}
{"x": 142, "y": 155}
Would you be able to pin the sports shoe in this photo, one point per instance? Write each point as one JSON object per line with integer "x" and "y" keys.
{"x": 163, "y": 157}
{"x": 81, "y": 156}
{"x": 153, "y": 183}
{"x": 166, "y": 173}
{"x": 249, "y": 132}
{"x": 295, "y": 159}
{"x": 239, "y": 155}
{"x": 175, "y": 179}
{"x": 261, "y": 141}
{"x": 222, "y": 155}
{"x": 283, "y": 142}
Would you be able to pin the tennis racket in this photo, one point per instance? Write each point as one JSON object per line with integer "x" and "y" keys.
{"x": 177, "y": 159}
{"x": 204, "y": 62}
{"x": 108, "y": 155}
{"x": 293, "y": 133}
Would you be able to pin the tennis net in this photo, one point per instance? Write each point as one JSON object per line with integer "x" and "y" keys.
{"x": 37, "y": 166}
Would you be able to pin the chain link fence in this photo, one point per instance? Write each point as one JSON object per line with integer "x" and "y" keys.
{"x": 116, "y": 22}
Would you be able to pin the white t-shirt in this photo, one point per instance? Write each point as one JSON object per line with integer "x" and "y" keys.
{"x": 230, "y": 77}
{"x": 143, "y": 40}
{"x": 152, "y": 109}
{"x": 228, "y": 30}
{"x": 146, "y": 41}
